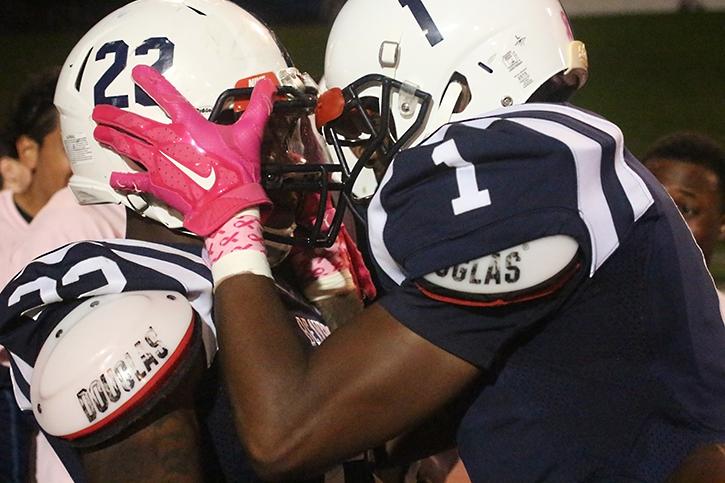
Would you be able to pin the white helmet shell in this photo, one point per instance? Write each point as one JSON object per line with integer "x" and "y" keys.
{"x": 504, "y": 49}
{"x": 202, "y": 46}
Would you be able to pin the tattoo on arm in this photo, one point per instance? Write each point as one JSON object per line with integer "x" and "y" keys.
{"x": 165, "y": 450}
{"x": 162, "y": 446}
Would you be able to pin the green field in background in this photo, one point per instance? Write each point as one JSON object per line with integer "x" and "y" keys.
{"x": 650, "y": 74}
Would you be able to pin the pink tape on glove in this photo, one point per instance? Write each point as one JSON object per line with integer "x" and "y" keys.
{"x": 325, "y": 272}
{"x": 208, "y": 172}
{"x": 360, "y": 272}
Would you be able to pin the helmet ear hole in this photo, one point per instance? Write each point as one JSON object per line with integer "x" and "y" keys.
{"x": 82, "y": 70}
{"x": 465, "y": 97}
{"x": 559, "y": 88}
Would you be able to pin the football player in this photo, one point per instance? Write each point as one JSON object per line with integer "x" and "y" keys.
{"x": 527, "y": 256}
{"x": 110, "y": 340}
{"x": 691, "y": 166}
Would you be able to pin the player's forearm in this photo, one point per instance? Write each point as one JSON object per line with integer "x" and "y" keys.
{"x": 300, "y": 412}
{"x": 265, "y": 384}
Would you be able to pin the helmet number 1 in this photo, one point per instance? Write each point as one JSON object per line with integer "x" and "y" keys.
{"x": 470, "y": 196}
{"x": 119, "y": 50}
{"x": 424, "y": 19}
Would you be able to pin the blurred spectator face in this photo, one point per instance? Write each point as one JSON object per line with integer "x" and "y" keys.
{"x": 15, "y": 177}
{"x": 696, "y": 191}
{"x": 47, "y": 160}
{"x": 52, "y": 155}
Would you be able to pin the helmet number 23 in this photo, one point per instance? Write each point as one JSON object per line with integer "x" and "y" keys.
{"x": 119, "y": 50}
{"x": 425, "y": 21}
{"x": 470, "y": 197}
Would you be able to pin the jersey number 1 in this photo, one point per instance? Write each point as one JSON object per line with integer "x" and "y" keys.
{"x": 470, "y": 196}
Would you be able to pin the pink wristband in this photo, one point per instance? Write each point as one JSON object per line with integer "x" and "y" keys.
{"x": 238, "y": 247}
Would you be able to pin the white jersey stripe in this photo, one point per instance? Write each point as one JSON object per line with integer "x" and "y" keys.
{"x": 634, "y": 187}
{"x": 593, "y": 207}
{"x": 157, "y": 247}
{"x": 437, "y": 136}
{"x": 377, "y": 219}
{"x": 198, "y": 291}
{"x": 26, "y": 371}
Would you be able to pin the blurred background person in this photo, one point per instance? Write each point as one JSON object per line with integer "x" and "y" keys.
{"x": 33, "y": 138}
{"x": 691, "y": 166}
{"x": 44, "y": 215}
{"x": 13, "y": 176}
{"x": 32, "y": 145}
{"x": 14, "y": 430}
{"x": 40, "y": 213}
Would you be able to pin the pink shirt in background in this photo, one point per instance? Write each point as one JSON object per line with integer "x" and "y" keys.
{"x": 61, "y": 221}
{"x": 12, "y": 229}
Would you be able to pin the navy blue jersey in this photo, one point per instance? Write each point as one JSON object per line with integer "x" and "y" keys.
{"x": 615, "y": 376}
{"x": 36, "y": 299}
{"x": 33, "y": 303}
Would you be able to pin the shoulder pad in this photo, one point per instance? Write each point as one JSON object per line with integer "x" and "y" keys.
{"x": 524, "y": 272}
{"x": 105, "y": 362}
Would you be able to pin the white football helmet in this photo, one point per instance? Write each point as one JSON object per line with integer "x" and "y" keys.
{"x": 407, "y": 67}
{"x": 203, "y": 47}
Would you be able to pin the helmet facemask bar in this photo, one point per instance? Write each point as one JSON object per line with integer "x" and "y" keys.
{"x": 305, "y": 180}
{"x": 291, "y": 110}
{"x": 369, "y": 131}
{"x": 288, "y": 99}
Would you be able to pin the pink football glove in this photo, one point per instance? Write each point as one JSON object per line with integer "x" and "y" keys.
{"x": 206, "y": 171}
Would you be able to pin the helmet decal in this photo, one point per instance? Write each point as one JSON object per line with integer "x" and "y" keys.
{"x": 203, "y": 47}
{"x": 427, "y": 25}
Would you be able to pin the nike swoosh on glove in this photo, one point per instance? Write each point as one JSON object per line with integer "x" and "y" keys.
{"x": 206, "y": 171}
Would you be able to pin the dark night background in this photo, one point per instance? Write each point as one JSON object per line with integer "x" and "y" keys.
{"x": 40, "y": 15}
{"x": 650, "y": 73}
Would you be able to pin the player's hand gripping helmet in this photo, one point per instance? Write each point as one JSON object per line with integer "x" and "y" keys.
{"x": 212, "y": 51}
{"x": 407, "y": 67}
